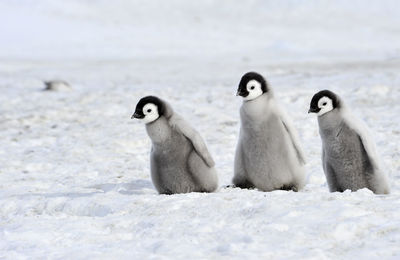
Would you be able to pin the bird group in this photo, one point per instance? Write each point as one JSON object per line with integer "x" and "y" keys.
{"x": 268, "y": 154}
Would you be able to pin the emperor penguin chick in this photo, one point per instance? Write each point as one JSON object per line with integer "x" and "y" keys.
{"x": 349, "y": 158}
{"x": 179, "y": 159}
{"x": 268, "y": 154}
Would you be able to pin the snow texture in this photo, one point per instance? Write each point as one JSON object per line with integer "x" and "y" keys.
{"x": 74, "y": 168}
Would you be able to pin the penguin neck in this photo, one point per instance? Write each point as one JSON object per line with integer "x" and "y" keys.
{"x": 329, "y": 123}
{"x": 256, "y": 108}
{"x": 158, "y": 130}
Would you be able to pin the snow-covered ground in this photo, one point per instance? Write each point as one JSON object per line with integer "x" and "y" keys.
{"x": 74, "y": 168}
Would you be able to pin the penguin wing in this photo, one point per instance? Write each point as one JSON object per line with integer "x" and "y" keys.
{"x": 379, "y": 177}
{"x": 292, "y": 134}
{"x": 195, "y": 138}
{"x": 362, "y": 131}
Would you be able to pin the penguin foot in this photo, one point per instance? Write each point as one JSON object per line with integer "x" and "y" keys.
{"x": 289, "y": 187}
{"x": 229, "y": 186}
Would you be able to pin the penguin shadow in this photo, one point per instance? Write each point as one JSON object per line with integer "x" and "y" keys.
{"x": 137, "y": 187}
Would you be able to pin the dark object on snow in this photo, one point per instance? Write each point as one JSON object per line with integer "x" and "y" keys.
{"x": 56, "y": 85}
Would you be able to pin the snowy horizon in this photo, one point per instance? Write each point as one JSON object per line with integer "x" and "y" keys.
{"x": 285, "y": 31}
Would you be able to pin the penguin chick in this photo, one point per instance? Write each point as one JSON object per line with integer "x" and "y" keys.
{"x": 179, "y": 159}
{"x": 268, "y": 154}
{"x": 349, "y": 158}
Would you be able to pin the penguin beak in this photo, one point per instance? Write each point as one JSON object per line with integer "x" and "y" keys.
{"x": 313, "y": 110}
{"x": 241, "y": 93}
{"x": 137, "y": 115}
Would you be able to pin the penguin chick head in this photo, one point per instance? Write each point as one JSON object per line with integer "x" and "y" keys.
{"x": 251, "y": 86}
{"x": 324, "y": 102}
{"x": 149, "y": 109}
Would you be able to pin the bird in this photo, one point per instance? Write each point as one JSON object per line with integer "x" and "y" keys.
{"x": 349, "y": 157}
{"x": 268, "y": 154}
{"x": 179, "y": 160}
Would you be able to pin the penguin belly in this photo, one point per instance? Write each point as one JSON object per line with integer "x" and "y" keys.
{"x": 169, "y": 165}
{"x": 349, "y": 161}
{"x": 269, "y": 156}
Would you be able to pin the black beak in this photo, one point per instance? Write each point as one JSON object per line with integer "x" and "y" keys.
{"x": 241, "y": 93}
{"x": 137, "y": 115}
{"x": 313, "y": 110}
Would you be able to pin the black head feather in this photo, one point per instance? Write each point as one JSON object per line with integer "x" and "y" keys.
{"x": 146, "y": 100}
{"x": 242, "y": 89}
{"x": 324, "y": 93}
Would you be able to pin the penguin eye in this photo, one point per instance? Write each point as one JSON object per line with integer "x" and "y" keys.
{"x": 324, "y": 104}
{"x": 252, "y": 87}
{"x": 148, "y": 110}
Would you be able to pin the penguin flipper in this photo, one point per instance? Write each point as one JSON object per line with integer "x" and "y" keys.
{"x": 240, "y": 178}
{"x": 195, "y": 138}
{"x": 206, "y": 178}
{"x": 293, "y": 137}
{"x": 377, "y": 178}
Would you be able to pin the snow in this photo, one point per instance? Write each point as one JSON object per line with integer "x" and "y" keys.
{"x": 74, "y": 168}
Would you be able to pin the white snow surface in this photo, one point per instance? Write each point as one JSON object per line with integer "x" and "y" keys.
{"x": 74, "y": 168}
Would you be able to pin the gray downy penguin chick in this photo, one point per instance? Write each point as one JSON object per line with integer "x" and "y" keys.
{"x": 268, "y": 154}
{"x": 179, "y": 159}
{"x": 349, "y": 158}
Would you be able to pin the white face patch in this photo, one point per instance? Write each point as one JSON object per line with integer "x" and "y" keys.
{"x": 150, "y": 112}
{"x": 254, "y": 89}
{"x": 325, "y": 104}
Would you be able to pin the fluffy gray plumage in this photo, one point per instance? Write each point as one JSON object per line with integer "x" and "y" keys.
{"x": 348, "y": 154}
{"x": 268, "y": 154}
{"x": 180, "y": 161}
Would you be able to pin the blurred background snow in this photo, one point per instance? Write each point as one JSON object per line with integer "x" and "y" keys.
{"x": 279, "y": 30}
